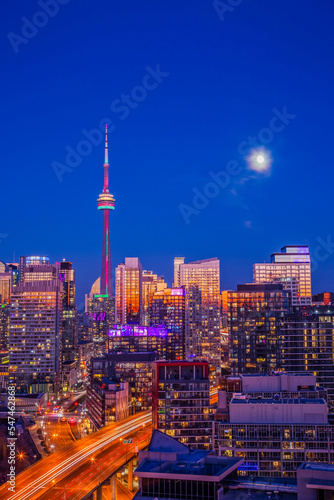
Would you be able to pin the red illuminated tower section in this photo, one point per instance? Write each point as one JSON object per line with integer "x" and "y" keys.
{"x": 106, "y": 202}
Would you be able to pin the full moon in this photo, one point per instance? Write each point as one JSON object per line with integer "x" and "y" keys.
{"x": 259, "y": 160}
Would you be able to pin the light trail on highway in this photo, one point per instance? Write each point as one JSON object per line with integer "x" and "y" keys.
{"x": 89, "y": 475}
{"x": 30, "y": 482}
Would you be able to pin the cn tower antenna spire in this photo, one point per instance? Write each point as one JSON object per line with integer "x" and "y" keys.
{"x": 106, "y": 164}
{"x": 106, "y": 147}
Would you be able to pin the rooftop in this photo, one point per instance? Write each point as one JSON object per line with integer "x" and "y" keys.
{"x": 260, "y": 287}
{"x": 259, "y": 488}
{"x": 166, "y": 457}
{"x": 129, "y": 357}
{"x": 195, "y": 466}
{"x": 290, "y": 401}
{"x": 275, "y": 374}
{"x": 30, "y": 396}
{"x": 317, "y": 466}
{"x": 205, "y": 261}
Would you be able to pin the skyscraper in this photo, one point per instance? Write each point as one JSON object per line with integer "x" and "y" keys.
{"x": 13, "y": 268}
{"x": 6, "y": 286}
{"x": 4, "y": 326}
{"x": 28, "y": 262}
{"x": 292, "y": 268}
{"x": 151, "y": 283}
{"x": 129, "y": 307}
{"x": 168, "y": 308}
{"x": 132, "y": 367}
{"x": 308, "y": 344}
{"x": 35, "y": 333}
{"x": 100, "y": 316}
{"x": 201, "y": 281}
{"x": 106, "y": 202}
{"x": 256, "y": 313}
{"x": 224, "y": 309}
{"x": 177, "y": 263}
{"x": 69, "y": 316}
{"x": 181, "y": 401}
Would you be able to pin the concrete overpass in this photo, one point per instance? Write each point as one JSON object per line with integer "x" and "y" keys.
{"x": 83, "y": 467}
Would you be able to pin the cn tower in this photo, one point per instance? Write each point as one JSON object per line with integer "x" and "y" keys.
{"x": 106, "y": 202}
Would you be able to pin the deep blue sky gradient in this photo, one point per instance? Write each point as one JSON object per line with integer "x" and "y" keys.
{"x": 225, "y": 77}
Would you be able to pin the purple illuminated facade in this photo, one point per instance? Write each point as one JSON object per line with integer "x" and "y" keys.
{"x": 106, "y": 202}
{"x": 134, "y": 338}
{"x": 137, "y": 331}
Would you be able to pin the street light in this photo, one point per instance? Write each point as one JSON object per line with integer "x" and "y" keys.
{"x": 53, "y": 482}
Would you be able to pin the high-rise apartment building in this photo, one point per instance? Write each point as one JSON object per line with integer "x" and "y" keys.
{"x": 308, "y": 344}
{"x": 224, "y": 303}
{"x": 168, "y": 308}
{"x": 100, "y": 316}
{"x": 201, "y": 282}
{"x": 129, "y": 303}
{"x": 13, "y": 268}
{"x": 134, "y": 368}
{"x": 181, "y": 402}
{"x": 256, "y": 316}
{"x": 151, "y": 283}
{"x": 292, "y": 268}
{"x": 177, "y": 263}
{"x": 107, "y": 401}
{"x": 4, "y": 326}
{"x": 35, "y": 334}
{"x": 6, "y": 284}
{"x": 69, "y": 312}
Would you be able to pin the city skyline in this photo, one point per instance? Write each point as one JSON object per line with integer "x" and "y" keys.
{"x": 169, "y": 277}
{"x": 193, "y": 122}
{"x": 182, "y": 345}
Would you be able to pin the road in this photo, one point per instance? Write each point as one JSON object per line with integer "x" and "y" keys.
{"x": 73, "y": 467}
{"x": 71, "y": 400}
{"x": 80, "y": 482}
{"x": 122, "y": 493}
{"x": 58, "y": 433}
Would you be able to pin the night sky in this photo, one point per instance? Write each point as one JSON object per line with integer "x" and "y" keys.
{"x": 219, "y": 79}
